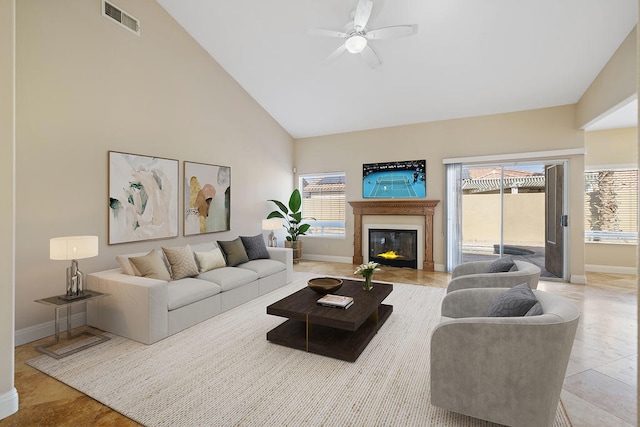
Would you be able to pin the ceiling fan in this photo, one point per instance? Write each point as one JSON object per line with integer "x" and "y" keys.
{"x": 357, "y": 36}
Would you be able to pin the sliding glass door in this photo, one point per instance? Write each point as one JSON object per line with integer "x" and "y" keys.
{"x": 501, "y": 210}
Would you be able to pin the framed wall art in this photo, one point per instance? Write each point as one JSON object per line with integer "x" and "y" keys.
{"x": 207, "y": 194}
{"x": 143, "y": 198}
{"x": 394, "y": 180}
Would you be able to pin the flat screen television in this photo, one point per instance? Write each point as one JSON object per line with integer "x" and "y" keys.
{"x": 394, "y": 180}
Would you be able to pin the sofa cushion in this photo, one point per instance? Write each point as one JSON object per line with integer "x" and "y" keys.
{"x": 229, "y": 277}
{"x": 264, "y": 267}
{"x": 126, "y": 266}
{"x": 182, "y": 262}
{"x": 514, "y": 302}
{"x": 189, "y": 290}
{"x": 233, "y": 251}
{"x": 501, "y": 265}
{"x": 151, "y": 265}
{"x": 209, "y": 260}
{"x": 255, "y": 247}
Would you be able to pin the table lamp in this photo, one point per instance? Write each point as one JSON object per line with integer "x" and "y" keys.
{"x": 272, "y": 224}
{"x": 73, "y": 248}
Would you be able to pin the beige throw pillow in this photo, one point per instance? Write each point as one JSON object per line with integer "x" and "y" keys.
{"x": 151, "y": 265}
{"x": 182, "y": 262}
{"x": 210, "y": 260}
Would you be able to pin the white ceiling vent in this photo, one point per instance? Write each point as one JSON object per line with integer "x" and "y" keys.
{"x": 114, "y": 13}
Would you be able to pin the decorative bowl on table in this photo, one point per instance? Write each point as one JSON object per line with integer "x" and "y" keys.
{"x": 324, "y": 285}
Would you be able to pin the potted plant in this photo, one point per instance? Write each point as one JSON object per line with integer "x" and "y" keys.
{"x": 293, "y": 218}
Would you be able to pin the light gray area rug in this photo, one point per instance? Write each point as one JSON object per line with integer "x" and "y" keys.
{"x": 223, "y": 372}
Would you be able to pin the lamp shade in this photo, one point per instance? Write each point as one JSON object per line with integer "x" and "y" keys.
{"x": 73, "y": 247}
{"x": 271, "y": 224}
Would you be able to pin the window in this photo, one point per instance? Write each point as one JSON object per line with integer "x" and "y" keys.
{"x": 611, "y": 206}
{"x": 323, "y": 199}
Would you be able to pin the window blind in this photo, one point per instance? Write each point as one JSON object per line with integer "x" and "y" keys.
{"x": 611, "y": 205}
{"x": 323, "y": 198}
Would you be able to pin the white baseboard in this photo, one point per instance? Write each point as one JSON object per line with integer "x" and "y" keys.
{"x": 8, "y": 403}
{"x": 578, "y": 279}
{"x": 610, "y": 269}
{"x": 439, "y": 267}
{"x": 47, "y": 329}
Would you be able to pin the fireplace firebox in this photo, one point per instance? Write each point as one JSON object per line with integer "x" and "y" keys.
{"x": 395, "y": 248}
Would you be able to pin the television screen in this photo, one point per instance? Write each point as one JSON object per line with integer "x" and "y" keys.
{"x": 394, "y": 180}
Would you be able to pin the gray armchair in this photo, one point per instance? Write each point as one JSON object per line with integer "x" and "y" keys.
{"x": 507, "y": 370}
{"x": 473, "y": 275}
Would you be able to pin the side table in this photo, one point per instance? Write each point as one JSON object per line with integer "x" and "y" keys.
{"x": 58, "y": 302}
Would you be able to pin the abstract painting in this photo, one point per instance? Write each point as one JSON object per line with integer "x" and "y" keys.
{"x": 143, "y": 198}
{"x": 207, "y": 195}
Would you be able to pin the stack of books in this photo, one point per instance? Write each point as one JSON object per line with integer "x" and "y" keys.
{"x": 336, "y": 301}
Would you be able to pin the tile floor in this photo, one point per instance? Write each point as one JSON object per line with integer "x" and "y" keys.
{"x": 600, "y": 388}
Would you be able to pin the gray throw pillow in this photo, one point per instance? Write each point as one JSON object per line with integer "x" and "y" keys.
{"x": 255, "y": 247}
{"x": 500, "y": 265}
{"x": 513, "y": 302}
{"x": 233, "y": 252}
{"x": 536, "y": 310}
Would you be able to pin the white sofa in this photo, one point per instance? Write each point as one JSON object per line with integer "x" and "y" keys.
{"x": 148, "y": 310}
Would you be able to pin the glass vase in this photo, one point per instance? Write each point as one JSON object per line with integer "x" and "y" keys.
{"x": 367, "y": 285}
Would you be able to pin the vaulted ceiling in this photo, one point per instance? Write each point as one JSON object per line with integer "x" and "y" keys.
{"x": 468, "y": 58}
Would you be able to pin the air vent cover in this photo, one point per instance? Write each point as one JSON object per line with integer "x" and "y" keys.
{"x": 117, "y": 15}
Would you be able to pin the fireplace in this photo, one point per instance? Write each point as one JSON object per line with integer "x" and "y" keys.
{"x": 423, "y": 208}
{"x": 395, "y": 248}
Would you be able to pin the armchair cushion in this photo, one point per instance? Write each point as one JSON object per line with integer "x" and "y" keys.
{"x": 501, "y": 265}
{"x": 516, "y": 301}
{"x": 536, "y": 310}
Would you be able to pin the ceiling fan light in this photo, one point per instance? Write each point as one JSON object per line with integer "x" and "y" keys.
{"x": 355, "y": 43}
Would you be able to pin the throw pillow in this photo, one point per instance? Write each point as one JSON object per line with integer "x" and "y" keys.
{"x": 182, "y": 262}
{"x": 210, "y": 260}
{"x": 151, "y": 265}
{"x": 500, "y": 265}
{"x": 255, "y": 247}
{"x": 536, "y": 310}
{"x": 233, "y": 252}
{"x": 514, "y": 302}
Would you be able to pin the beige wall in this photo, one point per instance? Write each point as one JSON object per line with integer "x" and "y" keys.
{"x": 512, "y": 133}
{"x": 616, "y": 84}
{"x": 86, "y": 86}
{"x": 611, "y": 148}
{"x": 8, "y": 394}
{"x": 523, "y": 219}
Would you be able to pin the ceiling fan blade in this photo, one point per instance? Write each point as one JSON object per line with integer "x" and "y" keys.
{"x": 392, "y": 32}
{"x": 336, "y": 54}
{"x": 327, "y": 33}
{"x": 363, "y": 12}
{"x": 371, "y": 57}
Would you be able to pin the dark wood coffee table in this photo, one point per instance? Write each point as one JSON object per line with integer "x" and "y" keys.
{"x": 333, "y": 332}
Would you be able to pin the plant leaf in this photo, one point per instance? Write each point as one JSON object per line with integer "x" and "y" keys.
{"x": 303, "y": 228}
{"x": 281, "y": 206}
{"x": 275, "y": 214}
{"x": 295, "y": 201}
